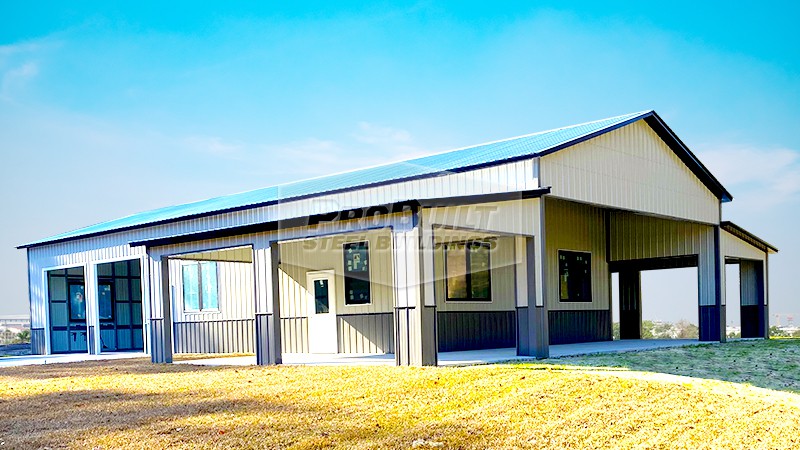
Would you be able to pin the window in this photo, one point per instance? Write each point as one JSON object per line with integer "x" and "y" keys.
{"x": 356, "y": 273}
{"x": 468, "y": 271}
{"x": 77, "y": 303}
{"x": 575, "y": 276}
{"x": 104, "y": 300}
{"x": 200, "y": 291}
{"x": 321, "y": 297}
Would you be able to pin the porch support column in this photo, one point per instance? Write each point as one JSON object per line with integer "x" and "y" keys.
{"x": 751, "y": 290}
{"x": 415, "y": 307}
{"x": 161, "y": 327}
{"x": 630, "y": 304}
{"x": 268, "y": 325}
{"x": 428, "y": 332}
{"x": 712, "y": 310}
{"x": 533, "y": 337}
{"x": 92, "y": 309}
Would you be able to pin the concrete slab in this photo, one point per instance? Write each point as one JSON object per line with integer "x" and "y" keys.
{"x": 464, "y": 358}
{"x": 303, "y": 359}
{"x": 29, "y": 360}
{"x": 628, "y": 345}
{"x": 499, "y": 355}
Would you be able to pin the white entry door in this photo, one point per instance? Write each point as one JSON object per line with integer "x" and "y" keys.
{"x": 322, "y": 336}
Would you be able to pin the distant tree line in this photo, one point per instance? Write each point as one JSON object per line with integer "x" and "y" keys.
{"x": 14, "y": 337}
{"x": 664, "y": 330}
{"x": 774, "y": 331}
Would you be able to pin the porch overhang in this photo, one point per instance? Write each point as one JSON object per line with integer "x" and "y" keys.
{"x": 412, "y": 206}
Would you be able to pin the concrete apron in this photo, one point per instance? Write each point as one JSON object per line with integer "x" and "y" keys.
{"x": 464, "y": 358}
{"x": 31, "y": 360}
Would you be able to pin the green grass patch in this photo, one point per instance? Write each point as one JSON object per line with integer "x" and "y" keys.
{"x": 771, "y": 364}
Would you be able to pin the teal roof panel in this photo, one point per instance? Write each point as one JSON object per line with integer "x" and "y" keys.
{"x": 458, "y": 160}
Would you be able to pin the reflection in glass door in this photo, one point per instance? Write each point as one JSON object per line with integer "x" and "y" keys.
{"x": 119, "y": 296}
{"x": 67, "y": 302}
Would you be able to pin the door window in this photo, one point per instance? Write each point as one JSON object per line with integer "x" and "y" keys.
{"x": 321, "y": 297}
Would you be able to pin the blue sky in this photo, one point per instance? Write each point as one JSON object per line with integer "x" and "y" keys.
{"x": 108, "y": 109}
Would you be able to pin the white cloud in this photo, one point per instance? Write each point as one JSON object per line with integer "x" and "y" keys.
{"x": 21, "y": 62}
{"x": 15, "y": 49}
{"x": 370, "y": 133}
{"x": 214, "y": 145}
{"x": 758, "y": 178}
{"x": 15, "y": 78}
{"x": 396, "y": 143}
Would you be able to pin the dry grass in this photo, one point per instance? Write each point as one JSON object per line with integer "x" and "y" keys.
{"x": 134, "y": 404}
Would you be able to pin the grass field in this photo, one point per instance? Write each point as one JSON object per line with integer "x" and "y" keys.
{"x": 134, "y": 404}
{"x": 772, "y": 364}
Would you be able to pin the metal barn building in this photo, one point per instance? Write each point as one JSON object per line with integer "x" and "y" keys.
{"x": 506, "y": 244}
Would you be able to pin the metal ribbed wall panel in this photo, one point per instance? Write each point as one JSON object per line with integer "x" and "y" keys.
{"x": 294, "y": 335}
{"x": 38, "y": 337}
{"x": 366, "y": 333}
{"x": 576, "y": 227}
{"x": 458, "y": 331}
{"x": 630, "y": 168}
{"x": 157, "y": 352}
{"x": 734, "y": 247}
{"x": 641, "y": 237}
{"x": 215, "y": 336}
{"x": 751, "y": 284}
{"x": 568, "y": 327}
{"x": 509, "y": 217}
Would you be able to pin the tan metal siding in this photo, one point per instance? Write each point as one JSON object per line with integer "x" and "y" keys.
{"x": 630, "y": 168}
{"x": 635, "y": 236}
{"x": 734, "y": 247}
{"x": 300, "y": 257}
{"x": 510, "y": 217}
{"x": 294, "y": 335}
{"x": 366, "y": 333}
{"x": 577, "y": 227}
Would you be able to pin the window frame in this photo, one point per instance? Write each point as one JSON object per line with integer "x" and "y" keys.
{"x": 468, "y": 274}
{"x": 200, "y": 290}
{"x": 590, "y": 288}
{"x": 347, "y": 277}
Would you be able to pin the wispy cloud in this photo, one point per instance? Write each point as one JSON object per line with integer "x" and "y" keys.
{"x": 19, "y": 48}
{"x": 388, "y": 140}
{"x": 16, "y": 78}
{"x": 215, "y": 146}
{"x": 307, "y": 157}
{"x": 20, "y": 63}
{"x": 765, "y": 177}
